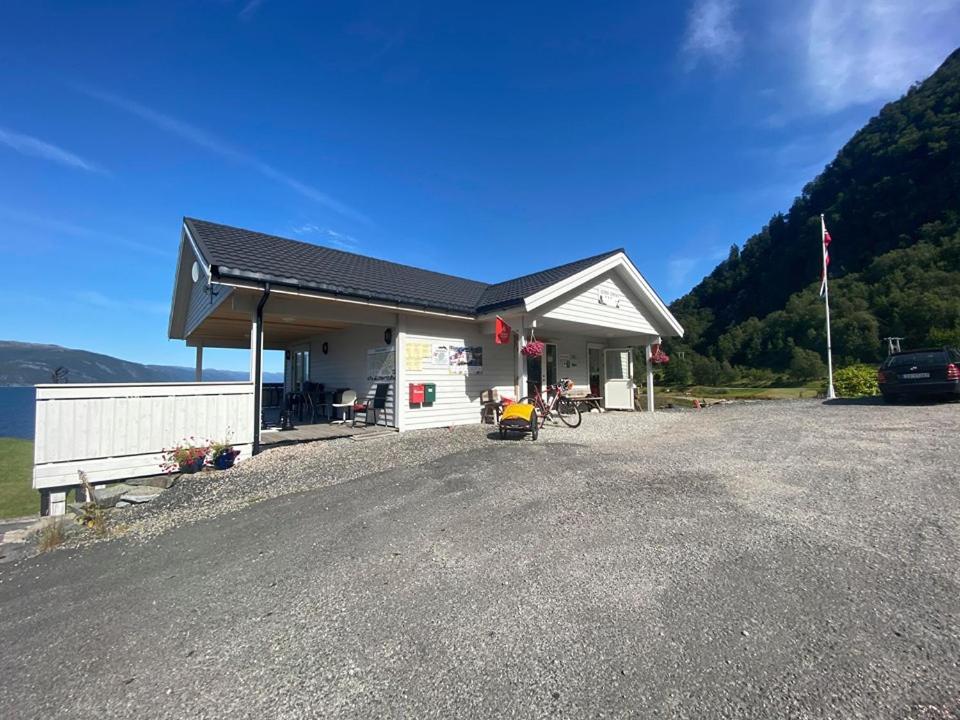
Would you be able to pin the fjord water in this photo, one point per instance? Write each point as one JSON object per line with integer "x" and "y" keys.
{"x": 17, "y": 412}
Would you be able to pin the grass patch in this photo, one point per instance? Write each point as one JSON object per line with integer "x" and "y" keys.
{"x": 51, "y": 536}
{"x": 17, "y": 496}
{"x": 684, "y": 397}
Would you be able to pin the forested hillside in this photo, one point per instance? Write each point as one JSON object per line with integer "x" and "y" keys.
{"x": 891, "y": 199}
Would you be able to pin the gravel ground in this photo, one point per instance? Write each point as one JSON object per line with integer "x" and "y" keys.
{"x": 758, "y": 560}
{"x": 308, "y": 466}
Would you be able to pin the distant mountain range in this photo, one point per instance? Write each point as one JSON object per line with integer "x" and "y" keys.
{"x": 30, "y": 363}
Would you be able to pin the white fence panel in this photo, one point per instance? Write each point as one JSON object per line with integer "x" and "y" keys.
{"x": 116, "y": 431}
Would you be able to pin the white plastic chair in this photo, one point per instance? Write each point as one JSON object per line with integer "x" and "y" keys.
{"x": 346, "y": 403}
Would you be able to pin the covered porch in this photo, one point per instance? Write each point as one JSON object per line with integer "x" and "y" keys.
{"x": 339, "y": 367}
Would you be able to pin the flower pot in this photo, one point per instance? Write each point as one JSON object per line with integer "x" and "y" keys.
{"x": 225, "y": 460}
{"x": 192, "y": 466}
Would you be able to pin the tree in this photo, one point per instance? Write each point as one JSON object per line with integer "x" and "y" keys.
{"x": 678, "y": 372}
{"x": 806, "y": 365}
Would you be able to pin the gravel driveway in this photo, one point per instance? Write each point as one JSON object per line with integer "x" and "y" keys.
{"x": 758, "y": 560}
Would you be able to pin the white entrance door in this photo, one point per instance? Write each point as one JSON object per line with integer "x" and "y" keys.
{"x": 618, "y": 381}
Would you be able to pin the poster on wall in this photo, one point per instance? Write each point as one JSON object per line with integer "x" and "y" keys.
{"x": 381, "y": 364}
{"x": 414, "y": 355}
{"x": 466, "y": 360}
{"x": 440, "y": 355}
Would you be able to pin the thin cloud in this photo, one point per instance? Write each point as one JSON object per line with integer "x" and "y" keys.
{"x": 861, "y": 51}
{"x": 209, "y": 142}
{"x": 330, "y": 237}
{"x": 711, "y": 34}
{"x": 35, "y": 147}
{"x": 250, "y": 9}
{"x": 77, "y": 231}
{"x": 97, "y": 299}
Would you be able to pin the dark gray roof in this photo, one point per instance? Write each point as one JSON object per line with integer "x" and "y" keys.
{"x": 512, "y": 292}
{"x": 248, "y": 255}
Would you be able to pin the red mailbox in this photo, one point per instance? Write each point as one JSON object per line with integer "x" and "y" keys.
{"x": 416, "y": 393}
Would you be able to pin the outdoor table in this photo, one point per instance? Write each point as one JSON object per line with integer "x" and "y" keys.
{"x": 593, "y": 401}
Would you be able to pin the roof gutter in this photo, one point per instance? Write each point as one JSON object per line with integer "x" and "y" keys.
{"x": 303, "y": 290}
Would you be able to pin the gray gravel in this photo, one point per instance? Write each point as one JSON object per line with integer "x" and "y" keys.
{"x": 763, "y": 560}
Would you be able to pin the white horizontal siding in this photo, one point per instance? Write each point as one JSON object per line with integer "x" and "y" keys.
{"x": 202, "y": 301}
{"x": 458, "y": 396}
{"x": 113, "y": 431}
{"x": 345, "y": 364}
{"x": 585, "y": 307}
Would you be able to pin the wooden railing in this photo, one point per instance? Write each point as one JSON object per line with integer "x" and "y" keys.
{"x": 118, "y": 431}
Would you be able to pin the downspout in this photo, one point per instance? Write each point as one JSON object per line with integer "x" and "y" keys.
{"x": 258, "y": 369}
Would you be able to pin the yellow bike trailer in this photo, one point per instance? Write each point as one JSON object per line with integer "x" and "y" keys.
{"x": 519, "y": 418}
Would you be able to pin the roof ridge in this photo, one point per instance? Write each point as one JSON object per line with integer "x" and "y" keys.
{"x": 555, "y": 268}
{"x": 311, "y": 245}
{"x": 253, "y": 255}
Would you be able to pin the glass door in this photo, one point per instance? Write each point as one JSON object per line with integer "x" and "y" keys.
{"x": 542, "y": 371}
{"x": 595, "y": 369}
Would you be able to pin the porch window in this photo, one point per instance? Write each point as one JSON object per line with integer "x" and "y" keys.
{"x": 299, "y": 369}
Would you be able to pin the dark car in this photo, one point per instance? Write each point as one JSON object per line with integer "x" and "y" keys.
{"x": 930, "y": 372}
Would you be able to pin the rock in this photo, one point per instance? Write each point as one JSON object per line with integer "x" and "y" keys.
{"x": 164, "y": 482}
{"x": 139, "y": 495}
{"x": 108, "y": 495}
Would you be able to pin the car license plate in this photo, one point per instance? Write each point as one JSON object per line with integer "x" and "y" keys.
{"x": 915, "y": 376}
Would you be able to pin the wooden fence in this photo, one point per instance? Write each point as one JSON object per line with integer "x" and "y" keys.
{"x": 117, "y": 431}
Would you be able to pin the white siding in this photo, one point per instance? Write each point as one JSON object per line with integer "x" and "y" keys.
{"x": 345, "y": 364}
{"x": 115, "y": 431}
{"x": 202, "y": 302}
{"x": 585, "y": 307}
{"x": 458, "y": 396}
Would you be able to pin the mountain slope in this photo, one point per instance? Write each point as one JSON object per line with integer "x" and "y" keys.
{"x": 893, "y": 188}
{"x": 30, "y": 363}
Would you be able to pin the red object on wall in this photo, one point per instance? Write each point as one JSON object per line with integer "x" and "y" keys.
{"x": 416, "y": 393}
{"x": 502, "y": 333}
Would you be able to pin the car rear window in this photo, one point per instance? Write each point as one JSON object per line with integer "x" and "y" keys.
{"x": 924, "y": 358}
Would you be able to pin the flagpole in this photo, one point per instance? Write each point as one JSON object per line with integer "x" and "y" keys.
{"x": 831, "y": 394}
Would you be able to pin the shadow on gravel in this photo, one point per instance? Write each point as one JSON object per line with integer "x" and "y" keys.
{"x": 867, "y": 401}
{"x": 877, "y": 400}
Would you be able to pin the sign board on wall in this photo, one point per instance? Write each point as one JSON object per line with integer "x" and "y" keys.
{"x": 381, "y": 364}
{"x": 414, "y": 355}
{"x": 466, "y": 360}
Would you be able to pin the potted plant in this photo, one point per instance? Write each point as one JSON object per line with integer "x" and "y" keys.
{"x": 223, "y": 455}
{"x": 185, "y": 457}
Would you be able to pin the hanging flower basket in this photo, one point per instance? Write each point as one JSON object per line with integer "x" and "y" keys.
{"x": 658, "y": 356}
{"x": 534, "y": 348}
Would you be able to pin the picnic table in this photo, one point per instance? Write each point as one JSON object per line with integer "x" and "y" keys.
{"x": 592, "y": 401}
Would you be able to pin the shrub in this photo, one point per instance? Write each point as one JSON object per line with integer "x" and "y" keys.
{"x": 856, "y": 381}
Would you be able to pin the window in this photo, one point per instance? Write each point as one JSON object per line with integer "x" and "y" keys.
{"x": 299, "y": 369}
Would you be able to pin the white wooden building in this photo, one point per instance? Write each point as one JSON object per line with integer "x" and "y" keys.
{"x": 352, "y": 322}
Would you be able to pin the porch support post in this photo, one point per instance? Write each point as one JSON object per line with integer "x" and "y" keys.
{"x": 198, "y": 375}
{"x": 53, "y": 502}
{"x": 256, "y": 366}
{"x": 649, "y": 350}
{"x": 400, "y": 396}
{"x": 521, "y": 362}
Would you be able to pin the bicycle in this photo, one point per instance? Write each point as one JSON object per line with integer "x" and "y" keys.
{"x": 557, "y": 402}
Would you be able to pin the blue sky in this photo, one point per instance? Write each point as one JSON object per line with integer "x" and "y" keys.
{"x": 484, "y": 141}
